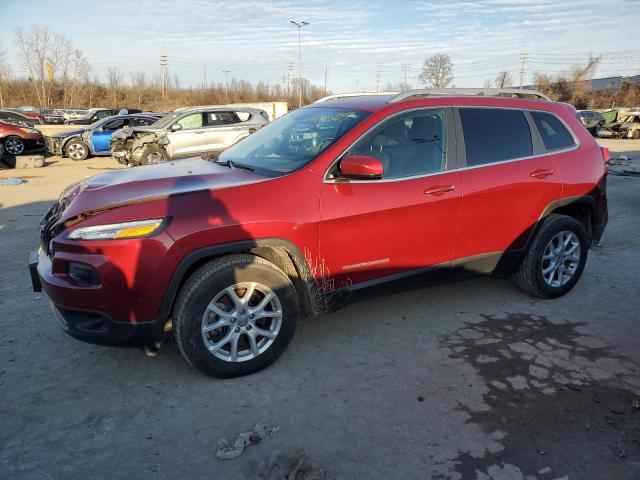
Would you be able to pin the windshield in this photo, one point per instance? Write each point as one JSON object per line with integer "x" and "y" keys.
{"x": 164, "y": 121}
{"x": 629, "y": 119}
{"x": 293, "y": 140}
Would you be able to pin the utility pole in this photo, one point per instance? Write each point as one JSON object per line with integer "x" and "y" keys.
{"x": 289, "y": 70}
{"x": 300, "y": 26}
{"x": 226, "y": 88}
{"x": 406, "y": 69}
{"x": 326, "y": 74}
{"x": 357, "y": 83}
{"x": 377, "y": 77}
{"x": 523, "y": 57}
{"x": 204, "y": 80}
{"x": 163, "y": 66}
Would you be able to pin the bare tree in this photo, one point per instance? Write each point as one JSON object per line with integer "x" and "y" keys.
{"x": 139, "y": 83}
{"x": 437, "y": 71}
{"x": 4, "y": 73}
{"x": 114, "y": 82}
{"x": 503, "y": 80}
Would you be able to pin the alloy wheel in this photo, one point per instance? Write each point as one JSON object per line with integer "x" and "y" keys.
{"x": 14, "y": 145}
{"x": 77, "y": 151}
{"x": 561, "y": 259}
{"x": 241, "y": 322}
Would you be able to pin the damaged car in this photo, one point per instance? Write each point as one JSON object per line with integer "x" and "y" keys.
{"x": 627, "y": 126}
{"x": 94, "y": 139}
{"x": 186, "y": 132}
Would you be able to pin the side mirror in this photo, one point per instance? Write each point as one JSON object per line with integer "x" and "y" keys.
{"x": 363, "y": 167}
{"x": 175, "y": 127}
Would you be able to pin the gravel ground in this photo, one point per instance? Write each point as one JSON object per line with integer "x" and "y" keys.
{"x": 471, "y": 379}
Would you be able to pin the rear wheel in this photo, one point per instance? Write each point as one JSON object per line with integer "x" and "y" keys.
{"x": 14, "y": 145}
{"x": 636, "y": 135}
{"x": 556, "y": 258}
{"x": 235, "y": 316}
{"x": 76, "y": 149}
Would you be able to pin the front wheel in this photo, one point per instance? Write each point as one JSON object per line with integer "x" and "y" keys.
{"x": 556, "y": 258}
{"x": 153, "y": 154}
{"x": 14, "y": 145}
{"x": 77, "y": 150}
{"x": 235, "y": 316}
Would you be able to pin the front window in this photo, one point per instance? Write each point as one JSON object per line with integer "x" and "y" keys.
{"x": 293, "y": 140}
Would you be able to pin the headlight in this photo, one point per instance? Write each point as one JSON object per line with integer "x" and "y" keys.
{"x": 29, "y": 130}
{"x": 115, "y": 231}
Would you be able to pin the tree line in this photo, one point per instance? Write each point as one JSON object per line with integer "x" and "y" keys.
{"x": 58, "y": 75}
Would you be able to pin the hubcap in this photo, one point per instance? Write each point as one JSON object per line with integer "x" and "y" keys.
{"x": 76, "y": 150}
{"x": 14, "y": 146}
{"x": 561, "y": 259}
{"x": 241, "y": 322}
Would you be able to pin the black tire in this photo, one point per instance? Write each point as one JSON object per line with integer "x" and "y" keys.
{"x": 636, "y": 135}
{"x": 153, "y": 154}
{"x": 13, "y": 145}
{"x": 201, "y": 288}
{"x": 76, "y": 150}
{"x": 529, "y": 276}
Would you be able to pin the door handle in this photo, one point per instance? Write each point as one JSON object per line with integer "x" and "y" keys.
{"x": 199, "y": 132}
{"x": 542, "y": 173}
{"x": 439, "y": 189}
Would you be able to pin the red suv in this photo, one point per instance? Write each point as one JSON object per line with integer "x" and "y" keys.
{"x": 337, "y": 196}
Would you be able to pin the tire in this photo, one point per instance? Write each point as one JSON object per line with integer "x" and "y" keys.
{"x": 636, "y": 135}
{"x": 153, "y": 154}
{"x": 14, "y": 145}
{"x": 530, "y": 276}
{"x": 192, "y": 314}
{"x": 76, "y": 150}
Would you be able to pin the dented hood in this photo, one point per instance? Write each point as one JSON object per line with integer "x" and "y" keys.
{"x": 139, "y": 184}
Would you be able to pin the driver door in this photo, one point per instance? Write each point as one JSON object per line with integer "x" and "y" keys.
{"x": 190, "y": 139}
{"x": 101, "y": 138}
{"x": 405, "y": 221}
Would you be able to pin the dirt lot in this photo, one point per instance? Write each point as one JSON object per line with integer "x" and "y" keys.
{"x": 471, "y": 379}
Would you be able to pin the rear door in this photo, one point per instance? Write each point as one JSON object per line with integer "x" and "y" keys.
{"x": 190, "y": 139}
{"x": 403, "y": 222}
{"x": 223, "y": 128}
{"x": 507, "y": 181}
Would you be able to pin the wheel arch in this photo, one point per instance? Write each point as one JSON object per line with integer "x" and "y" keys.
{"x": 282, "y": 253}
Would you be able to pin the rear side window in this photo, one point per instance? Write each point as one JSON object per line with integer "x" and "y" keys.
{"x": 495, "y": 135}
{"x": 221, "y": 118}
{"x": 554, "y": 134}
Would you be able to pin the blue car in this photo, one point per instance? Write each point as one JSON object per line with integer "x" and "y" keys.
{"x": 94, "y": 139}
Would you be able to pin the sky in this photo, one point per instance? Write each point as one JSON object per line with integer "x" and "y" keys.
{"x": 352, "y": 39}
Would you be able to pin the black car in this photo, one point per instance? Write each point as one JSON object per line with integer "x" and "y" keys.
{"x": 95, "y": 114}
{"x": 592, "y": 121}
{"x": 54, "y": 117}
{"x": 11, "y": 116}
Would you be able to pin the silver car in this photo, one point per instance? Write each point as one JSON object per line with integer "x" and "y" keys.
{"x": 186, "y": 132}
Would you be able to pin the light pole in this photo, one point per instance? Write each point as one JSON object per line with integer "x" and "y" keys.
{"x": 226, "y": 88}
{"x": 300, "y": 26}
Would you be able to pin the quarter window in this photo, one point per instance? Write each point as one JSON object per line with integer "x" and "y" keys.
{"x": 495, "y": 135}
{"x": 554, "y": 134}
{"x": 407, "y": 145}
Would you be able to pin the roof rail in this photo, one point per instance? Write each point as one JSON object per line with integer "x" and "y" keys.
{"x": 486, "y": 92}
{"x": 347, "y": 95}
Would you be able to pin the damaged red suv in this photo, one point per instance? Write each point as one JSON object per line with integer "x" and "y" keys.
{"x": 345, "y": 193}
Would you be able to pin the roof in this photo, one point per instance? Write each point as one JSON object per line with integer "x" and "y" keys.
{"x": 375, "y": 101}
{"x": 217, "y": 108}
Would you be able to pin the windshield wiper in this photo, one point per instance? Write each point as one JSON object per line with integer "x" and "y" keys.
{"x": 232, "y": 164}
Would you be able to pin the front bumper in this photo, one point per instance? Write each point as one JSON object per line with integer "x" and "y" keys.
{"x": 54, "y": 145}
{"x": 88, "y": 325}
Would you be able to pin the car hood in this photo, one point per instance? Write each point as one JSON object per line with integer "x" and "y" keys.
{"x": 150, "y": 182}
{"x": 127, "y": 132}
{"x": 69, "y": 133}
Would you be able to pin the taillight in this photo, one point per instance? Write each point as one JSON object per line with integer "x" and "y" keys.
{"x": 606, "y": 155}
